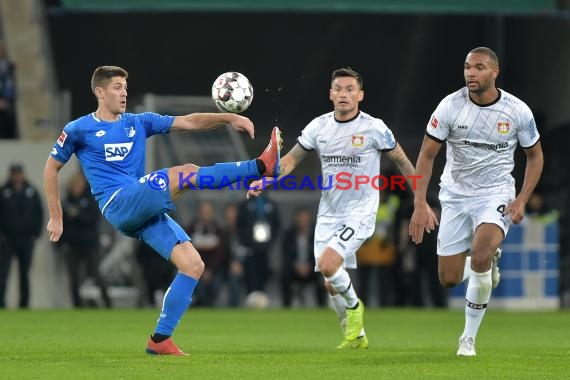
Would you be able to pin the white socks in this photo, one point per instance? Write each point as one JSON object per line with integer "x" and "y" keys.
{"x": 476, "y": 300}
{"x": 339, "y": 306}
{"x": 345, "y": 296}
{"x": 341, "y": 283}
{"x": 467, "y": 269}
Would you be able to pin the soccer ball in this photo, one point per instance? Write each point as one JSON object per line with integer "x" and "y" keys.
{"x": 257, "y": 300}
{"x": 232, "y": 92}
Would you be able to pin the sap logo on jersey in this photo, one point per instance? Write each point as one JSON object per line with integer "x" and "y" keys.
{"x": 117, "y": 152}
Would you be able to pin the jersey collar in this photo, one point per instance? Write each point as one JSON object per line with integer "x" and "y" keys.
{"x": 486, "y": 104}
{"x": 104, "y": 121}
{"x": 349, "y": 120}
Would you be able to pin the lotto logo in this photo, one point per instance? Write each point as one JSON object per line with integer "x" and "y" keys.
{"x": 117, "y": 152}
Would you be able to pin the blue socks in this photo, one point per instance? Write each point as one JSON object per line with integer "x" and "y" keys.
{"x": 176, "y": 300}
{"x": 224, "y": 174}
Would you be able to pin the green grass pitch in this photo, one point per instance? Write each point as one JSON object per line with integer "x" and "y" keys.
{"x": 281, "y": 344}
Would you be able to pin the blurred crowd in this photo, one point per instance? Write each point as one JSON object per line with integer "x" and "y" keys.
{"x": 252, "y": 258}
{"x": 253, "y": 255}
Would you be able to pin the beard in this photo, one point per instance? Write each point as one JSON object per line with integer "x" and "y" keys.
{"x": 481, "y": 88}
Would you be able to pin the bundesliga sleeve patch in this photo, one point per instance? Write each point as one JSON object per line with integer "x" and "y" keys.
{"x": 434, "y": 122}
{"x": 61, "y": 139}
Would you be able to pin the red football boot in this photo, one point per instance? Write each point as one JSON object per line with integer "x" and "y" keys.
{"x": 272, "y": 154}
{"x": 166, "y": 347}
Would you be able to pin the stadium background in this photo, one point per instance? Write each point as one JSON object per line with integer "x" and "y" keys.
{"x": 410, "y": 54}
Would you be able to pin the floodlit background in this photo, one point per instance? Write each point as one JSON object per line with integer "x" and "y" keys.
{"x": 410, "y": 54}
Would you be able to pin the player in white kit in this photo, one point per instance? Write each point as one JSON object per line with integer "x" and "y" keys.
{"x": 481, "y": 126}
{"x": 349, "y": 143}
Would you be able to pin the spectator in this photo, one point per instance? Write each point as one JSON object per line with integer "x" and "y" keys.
{"x": 7, "y": 96}
{"x": 235, "y": 253}
{"x": 207, "y": 238}
{"x": 157, "y": 274}
{"x": 298, "y": 261}
{"x": 258, "y": 226}
{"x": 436, "y": 295}
{"x": 80, "y": 240}
{"x": 21, "y": 218}
{"x": 378, "y": 254}
{"x": 538, "y": 210}
{"x": 419, "y": 284}
{"x": 407, "y": 267}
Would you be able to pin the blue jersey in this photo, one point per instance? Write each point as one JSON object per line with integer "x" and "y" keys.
{"x": 111, "y": 153}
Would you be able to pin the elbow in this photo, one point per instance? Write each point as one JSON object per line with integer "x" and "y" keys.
{"x": 51, "y": 169}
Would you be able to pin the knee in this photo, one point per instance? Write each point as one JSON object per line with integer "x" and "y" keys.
{"x": 192, "y": 266}
{"x": 190, "y": 168}
{"x": 449, "y": 279}
{"x": 197, "y": 268}
{"x": 329, "y": 264}
{"x": 184, "y": 168}
{"x": 183, "y": 174}
{"x": 326, "y": 268}
{"x": 481, "y": 263}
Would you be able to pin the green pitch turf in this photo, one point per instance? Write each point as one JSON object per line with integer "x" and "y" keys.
{"x": 281, "y": 344}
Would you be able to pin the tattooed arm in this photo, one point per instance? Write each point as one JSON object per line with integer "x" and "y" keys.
{"x": 404, "y": 165}
{"x": 290, "y": 161}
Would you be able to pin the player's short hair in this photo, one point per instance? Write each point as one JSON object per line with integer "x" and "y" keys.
{"x": 347, "y": 72}
{"x": 103, "y": 74}
{"x": 488, "y": 52}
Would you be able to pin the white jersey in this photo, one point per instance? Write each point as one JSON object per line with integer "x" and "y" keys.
{"x": 348, "y": 149}
{"x": 481, "y": 140}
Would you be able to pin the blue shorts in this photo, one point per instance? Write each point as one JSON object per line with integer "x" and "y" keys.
{"x": 139, "y": 211}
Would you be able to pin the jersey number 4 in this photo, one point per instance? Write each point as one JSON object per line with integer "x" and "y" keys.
{"x": 501, "y": 209}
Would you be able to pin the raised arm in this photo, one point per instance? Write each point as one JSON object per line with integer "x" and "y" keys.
{"x": 287, "y": 164}
{"x": 420, "y": 221}
{"x": 534, "y": 164}
{"x": 51, "y": 189}
{"x": 205, "y": 121}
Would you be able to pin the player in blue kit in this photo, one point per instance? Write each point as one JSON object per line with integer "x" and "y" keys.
{"x": 110, "y": 146}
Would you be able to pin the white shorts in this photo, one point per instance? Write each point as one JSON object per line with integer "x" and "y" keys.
{"x": 460, "y": 216}
{"x": 344, "y": 236}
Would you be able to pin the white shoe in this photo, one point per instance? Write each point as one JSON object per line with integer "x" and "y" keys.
{"x": 495, "y": 274}
{"x": 466, "y": 346}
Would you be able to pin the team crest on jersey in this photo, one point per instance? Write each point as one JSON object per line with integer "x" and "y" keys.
{"x": 357, "y": 140}
{"x": 433, "y": 122}
{"x": 503, "y": 127}
{"x": 61, "y": 139}
{"x": 130, "y": 131}
{"x": 117, "y": 152}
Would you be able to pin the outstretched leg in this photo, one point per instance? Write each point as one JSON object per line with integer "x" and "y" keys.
{"x": 191, "y": 177}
